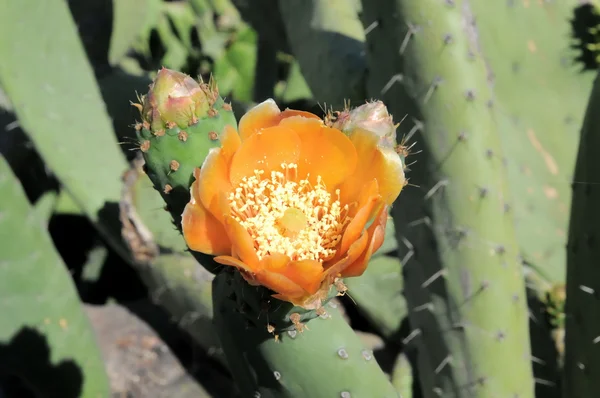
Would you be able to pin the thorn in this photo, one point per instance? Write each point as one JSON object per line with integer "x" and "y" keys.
{"x": 434, "y": 189}
{"x": 432, "y": 278}
{"x": 587, "y": 289}
{"x": 393, "y": 80}
{"x": 443, "y": 364}
{"x": 411, "y": 336}
{"x": 372, "y": 26}
{"x": 412, "y": 29}
{"x": 434, "y": 84}
{"x": 424, "y": 307}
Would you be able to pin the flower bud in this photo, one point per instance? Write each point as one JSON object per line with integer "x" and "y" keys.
{"x": 373, "y": 117}
{"x": 175, "y": 97}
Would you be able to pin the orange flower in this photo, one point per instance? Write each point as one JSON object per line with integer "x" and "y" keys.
{"x": 288, "y": 202}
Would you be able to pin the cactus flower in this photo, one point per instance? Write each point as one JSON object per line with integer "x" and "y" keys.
{"x": 292, "y": 203}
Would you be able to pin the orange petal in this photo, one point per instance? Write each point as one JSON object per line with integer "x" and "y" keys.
{"x": 242, "y": 243}
{"x": 234, "y": 262}
{"x": 230, "y": 142}
{"x": 354, "y": 252}
{"x": 381, "y": 163}
{"x": 203, "y": 232}
{"x": 266, "y": 150}
{"x": 356, "y": 227}
{"x": 280, "y": 284}
{"x": 260, "y": 116}
{"x": 291, "y": 112}
{"x": 212, "y": 182}
{"x": 306, "y": 273}
{"x": 325, "y": 151}
{"x": 376, "y": 234}
{"x": 267, "y": 114}
{"x": 194, "y": 190}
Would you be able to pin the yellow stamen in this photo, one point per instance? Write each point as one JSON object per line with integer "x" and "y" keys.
{"x": 295, "y": 218}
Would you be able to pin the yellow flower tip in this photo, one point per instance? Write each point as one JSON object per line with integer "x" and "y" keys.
{"x": 292, "y": 200}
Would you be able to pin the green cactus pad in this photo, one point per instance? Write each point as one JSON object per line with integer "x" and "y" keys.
{"x": 47, "y": 77}
{"x": 173, "y": 276}
{"x": 172, "y": 149}
{"x": 582, "y": 351}
{"x": 528, "y": 64}
{"x": 318, "y": 357}
{"x": 459, "y": 240}
{"x": 45, "y": 336}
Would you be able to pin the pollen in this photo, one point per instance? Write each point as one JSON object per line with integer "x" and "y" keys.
{"x": 285, "y": 215}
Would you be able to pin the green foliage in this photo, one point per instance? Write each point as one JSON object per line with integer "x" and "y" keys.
{"x": 582, "y": 355}
{"x": 492, "y": 95}
{"x": 328, "y": 40}
{"x": 58, "y": 103}
{"x": 472, "y": 266}
{"x": 45, "y": 337}
{"x": 318, "y": 356}
{"x": 539, "y": 130}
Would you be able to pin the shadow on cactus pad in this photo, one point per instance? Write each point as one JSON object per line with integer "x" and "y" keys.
{"x": 26, "y": 370}
{"x": 585, "y": 28}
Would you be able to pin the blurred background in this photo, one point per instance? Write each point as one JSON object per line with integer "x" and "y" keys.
{"x": 98, "y": 296}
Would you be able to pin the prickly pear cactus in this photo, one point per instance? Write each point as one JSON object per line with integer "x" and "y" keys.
{"x": 46, "y": 339}
{"x": 275, "y": 350}
{"x": 423, "y": 64}
{"x": 181, "y": 121}
{"x": 582, "y": 352}
{"x": 527, "y": 66}
{"x": 271, "y": 345}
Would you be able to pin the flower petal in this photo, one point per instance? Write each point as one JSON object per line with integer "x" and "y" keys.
{"x": 260, "y": 116}
{"x": 376, "y": 234}
{"x": 292, "y": 112}
{"x": 230, "y": 142}
{"x": 203, "y": 232}
{"x": 356, "y": 227}
{"x": 212, "y": 181}
{"x": 267, "y": 114}
{"x": 266, "y": 150}
{"x": 242, "y": 243}
{"x": 381, "y": 163}
{"x": 306, "y": 273}
{"x": 280, "y": 284}
{"x": 325, "y": 151}
{"x": 354, "y": 252}
{"x": 234, "y": 262}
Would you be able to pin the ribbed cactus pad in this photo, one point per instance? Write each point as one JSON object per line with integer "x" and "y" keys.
{"x": 459, "y": 238}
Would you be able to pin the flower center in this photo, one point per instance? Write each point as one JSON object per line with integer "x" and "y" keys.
{"x": 295, "y": 218}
